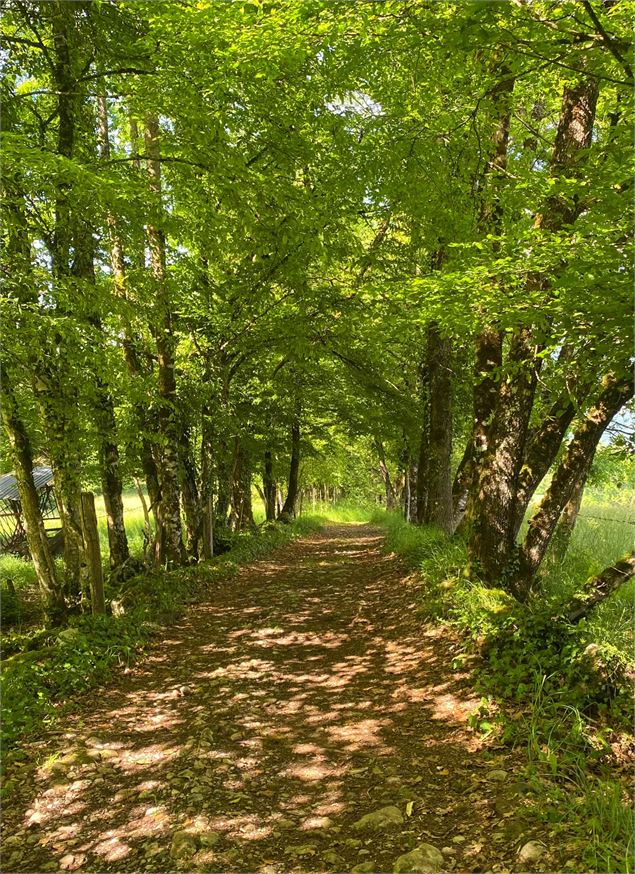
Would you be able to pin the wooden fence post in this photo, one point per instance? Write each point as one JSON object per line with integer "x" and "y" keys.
{"x": 93, "y": 553}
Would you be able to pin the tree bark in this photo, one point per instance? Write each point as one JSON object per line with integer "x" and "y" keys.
{"x": 489, "y": 345}
{"x": 247, "y": 514}
{"x": 189, "y": 495}
{"x": 495, "y": 503}
{"x": 461, "y": 483}
{"x": 598, "y": 589}
{"x": 487, "y": 374}
{"x": 616, "y": 392}
{"x": 50, "y": 587}
{"x": 287, "y": 512}
{"x": 568, "y": 518}
{"x": 439, "y": 463}
{"x": 93, "y": 553}
{"x": 241, "y": 514}
{"x": 391, "y": 497}
{"x": 541, "y": 453}
{"x": 62, "y": 27}
{"x": 422, "y": 470}
{"x": 492, "y": 531}
{"x": 56, "y": 398}
{"x": 119, "y": 275}
{"x": 207, "y": 483}
{"x": 170, "y": 545}
{"x": 269, "y": 486}
{"x": 112, "y": 487}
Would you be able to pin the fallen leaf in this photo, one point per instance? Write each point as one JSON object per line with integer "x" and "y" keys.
{"x": 71, "y": 862}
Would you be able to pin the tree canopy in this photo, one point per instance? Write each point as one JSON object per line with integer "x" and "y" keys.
{"x": 315, "y": 244}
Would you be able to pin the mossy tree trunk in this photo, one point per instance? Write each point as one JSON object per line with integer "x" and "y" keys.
{"x": 50, "y": 587}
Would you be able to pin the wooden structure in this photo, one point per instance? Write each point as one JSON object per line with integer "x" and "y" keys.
{"x": 12, "y": 531}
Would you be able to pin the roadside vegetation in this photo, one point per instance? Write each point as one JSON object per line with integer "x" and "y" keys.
{"x": 561, "y": 692}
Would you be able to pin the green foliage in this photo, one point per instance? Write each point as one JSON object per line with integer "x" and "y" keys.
{"x": 10, "y": 606}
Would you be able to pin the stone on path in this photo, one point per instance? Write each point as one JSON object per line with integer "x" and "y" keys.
{"x": 184, "y": 845}
{"x": 364, "y": 868}
{"x": 497, "y": 775}
{"x": 531, "y": 851}
{"x": 424, "y": 859}
{"x": 385, "y": 817}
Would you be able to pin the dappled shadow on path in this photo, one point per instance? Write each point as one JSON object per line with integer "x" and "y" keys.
{"x": 304, "y": 695}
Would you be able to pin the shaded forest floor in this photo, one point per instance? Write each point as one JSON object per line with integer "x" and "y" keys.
{"x": 263, "y": 726}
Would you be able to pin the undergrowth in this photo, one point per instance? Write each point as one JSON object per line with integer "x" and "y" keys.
{"x": 51, "y": 665}
{"x": 561, "y": 691}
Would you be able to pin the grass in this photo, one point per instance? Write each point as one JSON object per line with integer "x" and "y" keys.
{"x": 342, "y": 512}
{"x": 134, "y": 521}
{"x": 543, "y": 687}
{"x": 604, "y": 532}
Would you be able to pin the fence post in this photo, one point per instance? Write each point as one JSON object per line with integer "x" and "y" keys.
{"x": 93, "y": 553}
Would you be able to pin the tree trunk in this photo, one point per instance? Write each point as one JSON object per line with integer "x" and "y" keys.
{"x": 598, "y": 588}
{"x": 540, "y": 455}
{"x": 439, "y": 463}
{"x": 170, "y": 545}
{"x": 48, "y": 391}
{"x": 487, "y": 365}
{"x": 64, "y": 458}
{"x": 489, "y": 345}
{"x": 84, "y": 269}
{"x": 287, "y": 512}
{"x": 422, "y": 469}
{"x": 391, "y": 497}
{"x": 492, "y": 529}
{"x": 247, "y": 515}
{"x": 207, "y": 484}
{"x": 62, "y": 27}
{"x": 147, "y": 527}
{"x": 575, "y": 463}
{"x": 189, "y": 495}
{"x": 495, "y": 503}
{"x": 113, "y": 498}
{"x": 241, "y": 515}
{"x": 269, "y": 486}
{"x": 461, "y": 484}
{"x": 568, "y": 518}
{"x": 235, "y": 506}
{"x": 50, "y": 587}
{"x": 93, "y": 553}
{"x": 224, "y": 469}
{"x": 118, "y": 267}
{"x": 57, "y": 403}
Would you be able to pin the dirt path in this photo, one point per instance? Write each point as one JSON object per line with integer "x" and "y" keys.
{"x": 305, "y": 695}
